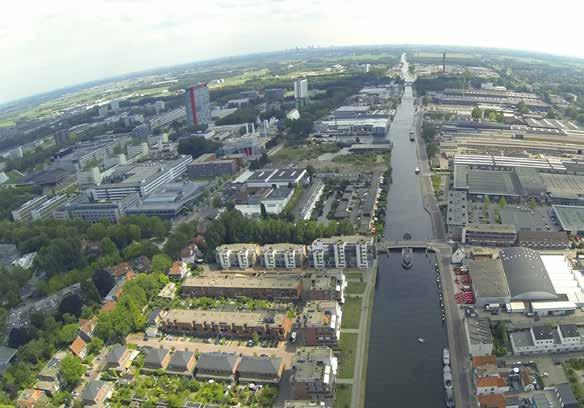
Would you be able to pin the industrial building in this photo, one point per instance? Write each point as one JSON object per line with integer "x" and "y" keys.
{"x": 274, "y": 200}
{"x": 358, "y": 126}
{"x": 197, "y": 105}
{"x": 273, "y": 177}
{"x": 208, "y": 323}
{"x": 281, "y": 288}
{"x": 141, "y": 178}
{"x": 479, "y": 337}
{"x": 571, "y": 218}
{"x": 456, "y": 212}
{"x": 340, "y": 252}
{"x": 546, "y": 339}
{"x": 489, "y": 282}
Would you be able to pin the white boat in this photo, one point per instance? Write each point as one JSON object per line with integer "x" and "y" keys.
{"x": 449, "y": 399}
{"x": 446, "y": 357}
{"x": 447, "y": 369}
{"x": 417, "y": 171}
{"x": 420, "y": 340}
{"x": 447, "y": 380}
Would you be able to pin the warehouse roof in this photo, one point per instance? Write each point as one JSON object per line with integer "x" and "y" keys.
{"x": 492, "y": 182}
{"x": 571, "y": 217}
{"x": 488, "y": 279}
{"x": 526, "y": 274}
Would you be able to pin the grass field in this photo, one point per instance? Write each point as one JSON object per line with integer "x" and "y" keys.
{"x": 355, "y": 288}
{"x": 295, "y": 153}
{"x": 351, "y": 313}
{"x": 343, "y": 395}
{"x": 348, "y": 345}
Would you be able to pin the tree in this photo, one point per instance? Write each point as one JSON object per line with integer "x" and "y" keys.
{"x": 532, "y": 203}
{"x": 502, "y": 202}
{"x": 263, "y": 211}
{"x": 255, "y": 337}
{"x": 72, "y": 370}
{"x": 486, "y": 202}
{"x": 104, "y": 281}
{"x": 522, "y": 108}
{"x": 161, "y": 263}
{"x": 476, "y": 113}
{"x": 71, "y": 304}
{"x": 197, "y": 146}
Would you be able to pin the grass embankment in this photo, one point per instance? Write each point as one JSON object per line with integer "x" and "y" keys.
{"x": 351, "y": 313}
{"x": 348, "y": 346}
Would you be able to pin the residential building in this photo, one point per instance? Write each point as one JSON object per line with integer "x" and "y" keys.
{"x": 489, "y": 234}
{"x": 182, "y": 363}
{"x": 287, "y": 256}
{"x": 260, "y": 370}
{"x": 197, "y": 105}
{"x": 190, "y": 253}
{"x": 319, "y": 324}
{"x": 87, "y": 327}
{"x": 31, "y": 398}
{"x": 306, "y": 404}
{"x": 216, "y": 366}
{"x": 121, "y": 270}
{"x": 493, "y": 384}
{"x": 49, "y": 378}
{"x": 314, "y": 371}
{"x": 301, "y": 88}
{"x": 547, "y": 339}
{"x": 286, "y": 288}
{"x": 24, "y": 212}
{"x": 274, "y": 94}
{"x": 207, "y": 323}
{"x": 156, "y": 359}
{"x": 492, "y": 401}
{"x": 241, "y": 256}
{"x": 178, "y": 270}
{"x": 120, "y": 358}
{"x": 79, "y": 347}
{"x": 208, "y": 165}
{"x": 340, "y": 252}
{"x": 167, "y": 118}
{"x": 324, "y": 287}
{"x": 96, "y": 393}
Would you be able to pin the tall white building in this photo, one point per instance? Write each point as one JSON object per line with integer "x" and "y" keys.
{"x": 340, "y": 252}
{"x": 301, "y": 88}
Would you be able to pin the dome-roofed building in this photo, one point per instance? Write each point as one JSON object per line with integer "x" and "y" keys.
{"x": 527, "y": 277}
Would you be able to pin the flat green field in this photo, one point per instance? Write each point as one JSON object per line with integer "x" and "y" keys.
{"x": 351, "y": 313}
{"x": 343, "y": 395}
{"x": 348, "y": 345}
{"x": 355, "y": 288}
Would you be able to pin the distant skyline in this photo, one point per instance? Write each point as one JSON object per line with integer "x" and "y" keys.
{"x": 51, "y": 45}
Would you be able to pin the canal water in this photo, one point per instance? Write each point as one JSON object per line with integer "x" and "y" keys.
{"x": 402, "y": 372}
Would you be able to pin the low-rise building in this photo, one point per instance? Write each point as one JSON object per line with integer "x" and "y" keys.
{"x": 79, "y": 347}
{"x": 544, "y": 239}
{"x": 31, "y": 398}
{"x": 547, "y": 339}
{"x": 489, "y": 234}
{"x": 240, "y": 256}
{"x": 182, "y": 363}
{"x": 6, "y": 357}
{"x": 479, "y": 337}
{"x": 319, "y": 324}
{"x": 229, "y": 324}
{"x": 566, "y": 396}
{"x": 287, "y": 256}
{"x": 340, "y": 252}
{"x": 208, "y": 165}
{"x": 286, "y": 288}
{"x": 493, "y": 384}
{"x": 260, "y": 370}
{"x": 156, "y": 359}
{"x": 216, "y": 366}
{"x": 314, "y": 370}
{"x": 178, "y": 270}
{"x": 324, "y": 287}
{"x": 119, "y": 358}
{"x": 96, "y": 393}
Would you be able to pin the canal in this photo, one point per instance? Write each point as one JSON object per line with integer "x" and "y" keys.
{"x": 402, "y": 372}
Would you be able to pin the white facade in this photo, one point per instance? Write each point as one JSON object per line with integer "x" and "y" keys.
{"x": 301, "y": 88}
{"x": 556, "y": 341}
{"x": 237, "y": 256}
{"x": 340, "y": 252}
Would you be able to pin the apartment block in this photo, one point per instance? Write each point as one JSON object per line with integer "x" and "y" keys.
{"x": 288, "y": 288}
{"x": 314, "y": 371}
{"x": 240, "y": 256}
{"x": 340, "y": 252}
{"x": 320, "y": 324}
{"x": 489, "y": 234}
{"x": 207, "y": 323}
{"x": 324, "y": 287}
{"x": 287, "y": 256}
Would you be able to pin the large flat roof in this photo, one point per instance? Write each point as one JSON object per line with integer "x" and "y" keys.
{"x": 219, "y": 317}
{"x": 526, "y": 274}
{"x": 227, "y": 281}
{"x": 492, "y": 182}
{"x": 488, "y": 279}
{"x": 571, "y": 217}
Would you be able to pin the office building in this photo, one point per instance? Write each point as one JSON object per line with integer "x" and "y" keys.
{"x": 46, "y": 209}
{"x": 240, "y": 256}
{"x": 274, "y": 200}
{"x": 141, "y": 179}
{"x": 319, "y": 324}
{"x": 83, "y": 207}
{"x": 274, "y": 177}
{"x": 23, "y": 213}
{"x": 546, "y": 339}
{"x": 274, "y": 94}
{"x": 115, "y": 106}
{"x": 340, "y": 252}
{"x": 207, "y": 323}
{"x": 208, "y": 165}
{"x": 285, "y": 288}
{"x": 301, "y": 89}
{"x": 197, "y": 105}
{"x": 314, "y": 371}
{"x": 168, "y": 200}
{"x": 287, "y": 256}
{"x": 248, "y": 146}
{"x": 489, "y": 234}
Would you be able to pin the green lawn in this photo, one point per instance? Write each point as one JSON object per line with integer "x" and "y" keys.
{"x": 351, "y": 313}
{"x": 355, "y": 288}
{"x": 354, "y": 275}
{"x": 343, "y": 395}
{"x": 296, "y": 153}
{"x": 348, "y": 346}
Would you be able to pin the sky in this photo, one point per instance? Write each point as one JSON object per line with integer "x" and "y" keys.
{"x": 46, "y": 45}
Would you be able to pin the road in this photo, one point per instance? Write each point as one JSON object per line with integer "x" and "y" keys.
{"x": 457, "y": 344}
{"x": 360, "y": 371}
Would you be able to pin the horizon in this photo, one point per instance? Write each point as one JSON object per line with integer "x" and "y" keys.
{"x": 131, "y": 40}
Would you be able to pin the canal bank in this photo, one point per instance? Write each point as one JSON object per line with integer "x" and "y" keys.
{"x": 406, "y": 302}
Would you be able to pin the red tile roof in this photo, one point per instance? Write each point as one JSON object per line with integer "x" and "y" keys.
{"x": 492, "y": 401}
{"x": 491, "y": 381}
{"x": 78, "y": 346}
{"x": 483, "y": 361}
{"x": 120, "y": 270}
